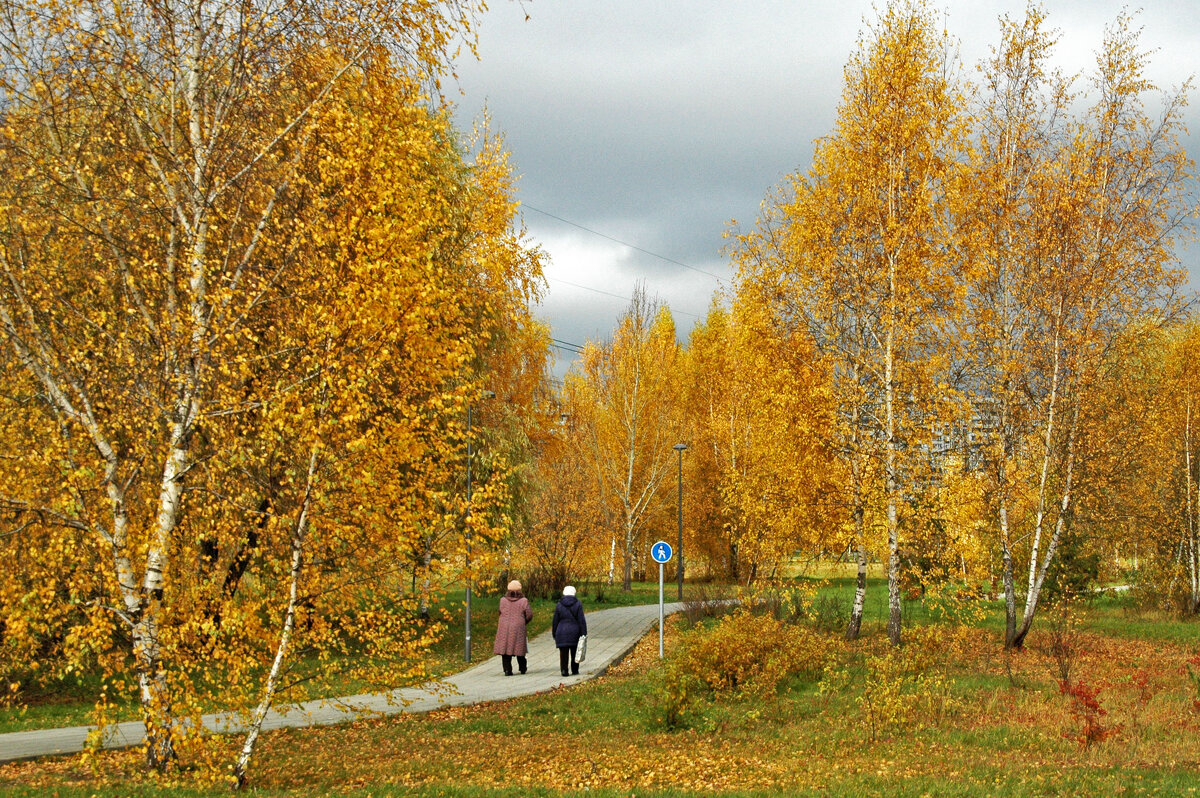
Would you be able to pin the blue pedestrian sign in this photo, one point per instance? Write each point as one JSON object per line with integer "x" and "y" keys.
{"x": 661, "y": 552}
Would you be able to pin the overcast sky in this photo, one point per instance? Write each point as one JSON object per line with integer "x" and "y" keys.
{"x": 643, "y": 129}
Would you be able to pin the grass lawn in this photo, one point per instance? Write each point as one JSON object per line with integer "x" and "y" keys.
{"x": 972, "y": 721}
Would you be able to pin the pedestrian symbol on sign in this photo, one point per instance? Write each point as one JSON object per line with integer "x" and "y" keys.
{"x": 661, "y": 551}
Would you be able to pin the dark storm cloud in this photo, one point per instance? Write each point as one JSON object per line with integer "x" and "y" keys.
{"x": 657, "y": 123}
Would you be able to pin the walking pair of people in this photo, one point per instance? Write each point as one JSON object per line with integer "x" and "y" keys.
{"x": 568, "y": 627}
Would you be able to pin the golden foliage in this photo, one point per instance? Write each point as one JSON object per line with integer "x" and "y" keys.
{"x": 244, "y": 320}
{"x": 760, "y": 469}
{"x": 626, "y": 395}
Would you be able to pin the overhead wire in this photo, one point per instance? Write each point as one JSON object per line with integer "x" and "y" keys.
{"x": 575, "y": 349}
{"x": 643, "y": 250}
{"x": 614, "y": 296}
{"x": 566, "y": 346}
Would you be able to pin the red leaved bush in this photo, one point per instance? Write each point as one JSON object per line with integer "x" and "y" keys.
{"x": 1085, "y": 706}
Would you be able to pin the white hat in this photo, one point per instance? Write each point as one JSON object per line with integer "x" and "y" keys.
{"x": 568, "y": 591}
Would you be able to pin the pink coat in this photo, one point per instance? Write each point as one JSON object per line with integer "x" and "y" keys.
{"x": 515, "y": 612}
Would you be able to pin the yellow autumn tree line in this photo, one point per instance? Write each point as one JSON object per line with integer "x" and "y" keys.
{"x": 937, "y": 352}
{"x": 250, "y": 280}
{"x": 972, "y": 273}
{"x": 759, "y": 470}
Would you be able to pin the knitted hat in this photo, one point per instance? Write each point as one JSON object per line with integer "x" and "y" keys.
{"x": 514, "y": 586}
{"x": 568, "y": 591}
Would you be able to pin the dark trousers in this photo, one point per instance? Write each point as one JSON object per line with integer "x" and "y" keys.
{"x": 506, "y": 661}
{"x": 567, "y": 654}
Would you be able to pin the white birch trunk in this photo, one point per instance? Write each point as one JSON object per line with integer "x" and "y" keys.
{"x": 1010, "y": 593}
{"x": 1047, "y": 458}
{"x": 1035, "y": 588}
{"x": 890, "y": 466}
{"x": 860, "y": 586}
{"x": 854, "y": 627}
{"x": 285, "y": 635}
{"x": 612, "y": 560}
{"x": 1191, "y": 515}
{"x": 1008, "y": 576}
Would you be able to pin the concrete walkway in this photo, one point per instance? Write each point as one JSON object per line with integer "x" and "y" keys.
{"x": 611, "y": 634}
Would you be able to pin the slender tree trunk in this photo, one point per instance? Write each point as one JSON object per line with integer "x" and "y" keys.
{"x": 1010, "y": 593}
{"x": 285, "y": 635}
{"x": 890, "y": 466}
{"x": 1183, "y": 540}
{"x": 1064, "y": 510}
{"x": 426, "y": 569}
{"x": 153, "y": 690}
{"x": 627, "y": 575}
{"x": 1191, "y": 515}
{"x": 152, "y": 681}
{"x": 627, "y": 490}
{"x": 1191, "y": 566}
{"x": 612, "y": 560}
{"x": 1047, "y": 458}
{"x": 854, "y": 627}
{"x": 860, "y": 586}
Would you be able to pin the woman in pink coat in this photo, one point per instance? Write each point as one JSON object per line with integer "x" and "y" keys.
{"x": 511, "y": 641}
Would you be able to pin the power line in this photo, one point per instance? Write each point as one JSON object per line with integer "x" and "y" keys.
{"x": 622, "y": 243}
{"x": 586, "y": 288}
{"x": 615, "y": 296}
{"x": 566, "y": 346}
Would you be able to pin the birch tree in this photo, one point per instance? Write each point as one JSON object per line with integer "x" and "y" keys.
{"x": 1112, "y": 202}
{"x": 756, "y": 407}
{"x": 189, "y": 271}
{"x": 862, "y": 245}
{"x": 631, "y": 384}
{"x": 1020, "y": 126}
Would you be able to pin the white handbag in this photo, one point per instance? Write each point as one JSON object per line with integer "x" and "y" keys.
{"x": 581, "y": 651}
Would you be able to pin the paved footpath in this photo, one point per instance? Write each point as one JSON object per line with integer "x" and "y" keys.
{"x": 611, "y": 634}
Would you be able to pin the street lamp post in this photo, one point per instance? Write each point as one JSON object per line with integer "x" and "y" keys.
{"x": 680, "y": 447}
{"x": 467, "y": 529}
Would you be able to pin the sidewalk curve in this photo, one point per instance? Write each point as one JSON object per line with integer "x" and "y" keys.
{"x": 611, "y": 634}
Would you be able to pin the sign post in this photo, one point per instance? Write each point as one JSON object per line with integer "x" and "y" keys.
{"x": 661, "y": 552}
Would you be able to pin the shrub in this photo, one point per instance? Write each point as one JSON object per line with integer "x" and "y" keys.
{"x": 829, "y": 614}
{"x": 742, "y": 654}
{"x": 1193, "y": 671}
{"x": 1145, "y": 688}
{"x": 788, "y": 602}
{"x": 1085, "y": 707}
{"x": 1062, "y": 646}
{"x": 940, "y": 645}
{"x": 900, "y": 690}
{"x": 702, "y": 602}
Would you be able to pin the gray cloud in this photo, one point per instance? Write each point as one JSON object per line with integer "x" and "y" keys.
{"x": 657, "y": 123}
